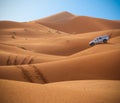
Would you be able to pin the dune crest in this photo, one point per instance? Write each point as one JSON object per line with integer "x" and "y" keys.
{"x": 57, "y": 18}
{"x": 78, "y": 24}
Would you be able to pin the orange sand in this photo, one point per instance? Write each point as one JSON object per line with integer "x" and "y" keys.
{"x": 54, "y": 55}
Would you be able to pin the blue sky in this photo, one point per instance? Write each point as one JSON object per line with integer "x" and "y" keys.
{"x": 28, "y": 10}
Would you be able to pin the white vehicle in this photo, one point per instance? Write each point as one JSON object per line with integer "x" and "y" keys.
{"x": 100, "y": 39}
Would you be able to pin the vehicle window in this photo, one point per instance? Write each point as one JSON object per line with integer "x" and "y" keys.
{"x": 100, "y": 38}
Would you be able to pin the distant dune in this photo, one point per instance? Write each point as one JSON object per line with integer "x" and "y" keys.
{"x": 50, "y": 61}
{"x": 78, "y": 24}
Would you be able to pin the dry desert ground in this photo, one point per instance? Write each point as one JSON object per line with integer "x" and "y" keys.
{"x": 50, "y": 61}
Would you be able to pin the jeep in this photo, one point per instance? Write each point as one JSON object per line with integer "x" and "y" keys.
{"x": 100, "y": 39}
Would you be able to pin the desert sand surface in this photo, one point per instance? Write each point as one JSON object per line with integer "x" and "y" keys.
{"x": 50, "y": 61}
{"x": 98, "y": 91}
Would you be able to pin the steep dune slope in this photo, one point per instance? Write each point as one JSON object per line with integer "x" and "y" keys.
{"x": 57, "y": 18}
{"x": 78, "y": 24}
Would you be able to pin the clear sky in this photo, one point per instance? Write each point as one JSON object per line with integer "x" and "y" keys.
{"x": 28, "y": 10}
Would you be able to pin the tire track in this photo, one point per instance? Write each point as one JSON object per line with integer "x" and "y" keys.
{"x": 27, "y": 60}
{"x": 38, "y": 72}
{"x": 32, "y": 74}
{"x": 26, "y": 73}
{"x": 15, "y": 61}
{"x": 31, "y": 60}
{"x": 23, "y": 62}
{"x": 8, "y": 61}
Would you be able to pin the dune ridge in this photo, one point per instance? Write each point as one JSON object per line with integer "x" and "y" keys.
{"x": 79, "y": 24}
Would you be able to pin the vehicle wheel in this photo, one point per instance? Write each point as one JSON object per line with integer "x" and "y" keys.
{"x": 105, "y": 41}
{"x": 92, "y": 44}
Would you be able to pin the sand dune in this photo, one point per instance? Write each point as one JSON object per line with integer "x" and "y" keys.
{"x": 54, "y": 55}
{"x": 61, "y": 45}
{"x": 12, "y": 55}
{"x": 65, "y": 92}
{"x": 73, "y": 69}
{"x": 11, "y": 24}
{"x": 57, "y": 18}
{"x": 76, "y": 65}
{"x": 78, "y": 24}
